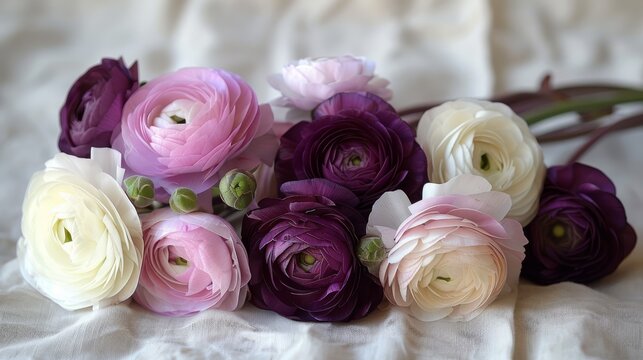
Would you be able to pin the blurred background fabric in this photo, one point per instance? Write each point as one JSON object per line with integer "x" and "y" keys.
{"x": 430, "y": 50}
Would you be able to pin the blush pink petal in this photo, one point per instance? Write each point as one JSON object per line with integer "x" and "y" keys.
{"x": 459, "y": 221}
{"x": 225, "y": 128}
{"x": 215, "y": 276}
{"x": 306, "y": 83}
{"x": 493, "y": 203}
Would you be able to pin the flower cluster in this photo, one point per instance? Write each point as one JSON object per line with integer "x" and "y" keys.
{"x": 344, "y": 202}
{"x": 180, "y": 137}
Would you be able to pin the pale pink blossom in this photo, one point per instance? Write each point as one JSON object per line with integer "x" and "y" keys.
{"x": 191, "y": 262}
{"x": 307, "y": 82}
{"x": 452, "y": 253}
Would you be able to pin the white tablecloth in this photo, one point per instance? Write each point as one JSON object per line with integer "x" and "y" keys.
{"x": 430, "y": 50}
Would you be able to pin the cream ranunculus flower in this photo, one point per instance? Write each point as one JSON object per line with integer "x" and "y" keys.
{"x": 450, "y": 254}
{"x": 82, "y": 241}
{"x": 486, "y": 139}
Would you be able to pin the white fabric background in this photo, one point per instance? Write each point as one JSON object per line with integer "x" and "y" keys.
{"x": 430, "y": 50}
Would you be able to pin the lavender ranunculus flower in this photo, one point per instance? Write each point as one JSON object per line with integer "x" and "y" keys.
{"x": 302, "y": 253}
{"x": 581, "y": 232}
{"x": 190, "y": 127}
{"x": 94, "y": 106}
{"x": 356, "y": 140}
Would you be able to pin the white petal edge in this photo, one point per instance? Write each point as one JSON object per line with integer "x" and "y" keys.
{"x": 109, "y": 161}
{"x": 464, "y": 184}
{"x": 390, "y": 210}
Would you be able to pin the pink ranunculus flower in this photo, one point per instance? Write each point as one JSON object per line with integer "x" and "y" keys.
{"x": 452, "y": 253}
{"x": 191, "y": 262}
{"x": 307, "y": 82}
{"x": 189, "y": 127}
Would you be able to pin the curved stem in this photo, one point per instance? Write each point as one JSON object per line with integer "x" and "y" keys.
{"x": 522, "y": 102}
{"x": 563, "y": 107}
{"x": 568, "y": 132}
{"x": 590, "y": 101}
{"x": 628, "y": 122}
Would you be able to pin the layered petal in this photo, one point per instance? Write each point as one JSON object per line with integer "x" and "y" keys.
{"x": 94, "y": 106}
{"x": 453, "y": 252}
{"x": 188, "y": 128}
{"x": 82, "y": 243}
{"x": 303, "y": 256}
{"x": 581, "y": 232}
{"x": 307, "y": 82}
{"x": 488, "y": 140}
{"x": 358, "y": 141}
{"x": 192, "y": 262}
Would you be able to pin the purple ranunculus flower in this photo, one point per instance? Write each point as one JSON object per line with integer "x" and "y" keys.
{"x": 94, "y": 106}
{"x": 581, "y": 232}
{"x": 302, "y": 254}
{"x": 356, "y": 140}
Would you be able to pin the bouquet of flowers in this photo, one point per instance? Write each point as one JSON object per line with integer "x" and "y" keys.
{"x": 186, "y": 193}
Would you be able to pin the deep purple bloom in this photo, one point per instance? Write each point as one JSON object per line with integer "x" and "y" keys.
{"x": 581, "y": 232}
{"x": 94, "y": 106}
{"x": 302, "y": 254}
{"x": 356, "y": 140}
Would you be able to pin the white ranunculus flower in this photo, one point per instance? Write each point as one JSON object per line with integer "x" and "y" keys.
{"x": 81, "y": 239}
{"x": 486, "y": 139}
{"x": 305, "y": 83}
{"x": 450, "y": 254}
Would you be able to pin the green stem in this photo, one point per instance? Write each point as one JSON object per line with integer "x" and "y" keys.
{"x": 582, "y": 105}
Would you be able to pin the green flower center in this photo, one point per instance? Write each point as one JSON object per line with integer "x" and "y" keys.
{"x": 181, "y": 261}
{"x": 67, "y": 237}
{"x": 241, "y": 186}
{"x": 444, "y": 278}
{"x": 558, "y": 231}
{"x": 562, "y": 235}
{"x": 355, "y": 160}
{"x": 177, "y": 119}
{"x": 485, "y": 164}
{"x": 305, "y": 260}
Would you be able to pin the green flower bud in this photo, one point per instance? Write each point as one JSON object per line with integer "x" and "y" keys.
{"x": 371, "y": 252}
{"x": 183, "y": 201}
{"x": 237, "y": 189}
{"x": 140, "y": 190}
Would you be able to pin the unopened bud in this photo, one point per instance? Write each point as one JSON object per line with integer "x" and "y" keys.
{"x": 183, "y": 201}
{"x": 140, "y": 190}
{"x": 237, "y": 189}
{"x": 371, "y": 252}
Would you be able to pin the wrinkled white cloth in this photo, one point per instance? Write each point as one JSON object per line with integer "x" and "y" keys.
{"x": 430, "y": 50}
